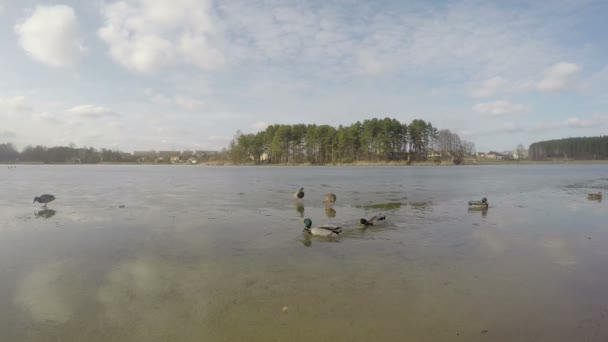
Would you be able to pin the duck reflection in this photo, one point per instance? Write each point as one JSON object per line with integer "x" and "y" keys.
{"x": 330, "y": 212}
{"x": 45, "y": 213}
{"x": 306, "y": 241}
{"x": 300, "y": 208}
{"x": 483, "y": 210}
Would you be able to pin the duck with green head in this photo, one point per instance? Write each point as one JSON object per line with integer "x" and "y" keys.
{"x": 324, "y": 230}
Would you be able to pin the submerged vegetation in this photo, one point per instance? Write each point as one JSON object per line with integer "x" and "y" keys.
{"x": 373, "y": 140}
{"x": 585, "y": 148}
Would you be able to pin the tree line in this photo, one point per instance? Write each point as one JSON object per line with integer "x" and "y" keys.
{"x": 584, "y": 148}
{"x": 61, "y": 154}
{"x": 373, "y": 140}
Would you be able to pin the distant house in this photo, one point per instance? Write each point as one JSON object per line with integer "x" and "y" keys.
{"x": 433, "y": 154}
{"x": 142, "y": 156}
{"x": 144, "y": 153}
{"x": 520, "y": 154}
{"x": 205, "y": 153}
{"x": 494, "y": 155}
{"x": 168, "y": 154}
{"x": 481, "y": 155}
{"x": 174, "y": 159}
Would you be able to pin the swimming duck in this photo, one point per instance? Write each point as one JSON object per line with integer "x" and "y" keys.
{"x": 324, "y": 230}
{"x": 45, "y": 198}
{"x": 329, "y": 200}
{"x": 482, "y": 203}
{"x": 380, "y": 218}
{"x": 597, "y": 196}
{"x": 299, "y": 194}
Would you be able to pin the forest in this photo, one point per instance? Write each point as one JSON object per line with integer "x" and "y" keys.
{"x": 584, "y": 148}
{"x": 60, "y": 155}
{"x": 373, "y": 140}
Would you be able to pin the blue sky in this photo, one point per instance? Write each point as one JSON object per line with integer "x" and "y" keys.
{"x": 186, "y": 74}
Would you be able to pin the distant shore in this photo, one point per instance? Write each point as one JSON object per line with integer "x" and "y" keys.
{"x": 467, "y": 162}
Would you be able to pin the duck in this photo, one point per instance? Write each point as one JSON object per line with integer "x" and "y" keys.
{"x": 380, "y": 218}
{"x": 482, "y": 203}
{"x": 299, "y": 194}
{"x": 329, "y": 199}
{"x": 324, "y": 230}
{"x": 44, "y": 199}
{"x": 597, "y": 196}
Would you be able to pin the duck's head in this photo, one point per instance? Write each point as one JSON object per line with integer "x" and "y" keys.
{"x": 36, "y": 199}
{"x": 364, "y": 222}
{"x": 307, "y": 223}
{"x": 484, "y": 200}
{"x": 301, "y": 190}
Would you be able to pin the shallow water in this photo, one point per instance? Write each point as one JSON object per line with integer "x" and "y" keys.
{"x": 172, "y": 253}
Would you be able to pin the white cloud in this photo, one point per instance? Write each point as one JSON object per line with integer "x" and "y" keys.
{"x": 181, "y": 101}
{"x": 595, "y": 120}
{"x": 14, "y": 104}
{"x": 490, "y": 87}
{"x": 576, "y": 122}
{"x": 510, "y": 127}
{"x": 188, "y": 103}
{"x": 498, "y": 108}
{"x": 51, "y": 35}
{"x": 259, "y": 126}
{"x": 92, "y": 112}
{"x": 148, "y": 35}
{"x": 47, "y": 117}
{"x": 158, "y": 98}
{"x": 219, "y": 138}
{"x": 559, "y": 77}
{"x": 7, "y": 134}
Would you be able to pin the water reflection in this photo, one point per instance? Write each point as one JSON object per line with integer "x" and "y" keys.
{"x": 330, "y": 212}
{"x": 300, "y": 208}
{"x": 386, "y": 206}
{"x": 45, "y": 213}
{"x": 306, "y": 241}
{"x": 143, "y": 297}
{"x": 45, "y": 295}
{"x": 483, "y": 210}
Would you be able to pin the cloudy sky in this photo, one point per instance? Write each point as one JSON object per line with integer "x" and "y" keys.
{"x": 186, "y": 74}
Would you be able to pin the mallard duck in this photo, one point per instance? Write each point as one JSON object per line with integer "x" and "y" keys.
{"x": 324, "y": 230}
{"x": 482, "y": 203}
{"x": 597, "y": 196}
{"x": 299, "y": 194}
{"x": 330, "y": 199}
{"x": 45, "y": 198}
{"x": 380, "y": 218}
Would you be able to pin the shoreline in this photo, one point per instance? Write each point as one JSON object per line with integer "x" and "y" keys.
{"x": 470, "y": 162}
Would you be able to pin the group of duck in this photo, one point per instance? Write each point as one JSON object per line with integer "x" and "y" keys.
{"x": 328, "y": 230}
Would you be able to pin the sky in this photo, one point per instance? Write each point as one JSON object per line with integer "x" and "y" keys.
{"x": 187, "y": 74}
